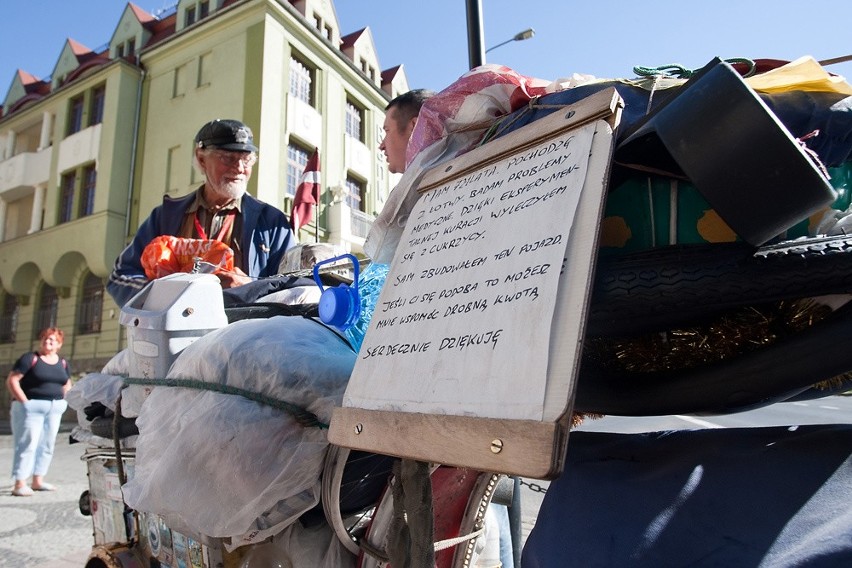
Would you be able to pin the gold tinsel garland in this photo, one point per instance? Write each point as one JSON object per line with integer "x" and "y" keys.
{"x": 729, "y": 335}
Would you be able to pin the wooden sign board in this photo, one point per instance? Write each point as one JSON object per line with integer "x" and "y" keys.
{"x": 472, "y": 353}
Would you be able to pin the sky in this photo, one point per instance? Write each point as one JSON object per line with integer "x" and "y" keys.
{"x": 606, "y": 39}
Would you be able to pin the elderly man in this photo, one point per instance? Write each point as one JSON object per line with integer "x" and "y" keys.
{"x": 258, "y": 233}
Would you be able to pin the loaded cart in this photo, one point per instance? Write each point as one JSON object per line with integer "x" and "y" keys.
{"x": 225, "y": 462}
{"x": 554, "y": 252}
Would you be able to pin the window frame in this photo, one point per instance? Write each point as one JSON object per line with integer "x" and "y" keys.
{"x": 76, "y": 110}
{"x": 297, "y": 159}
{"x": 302, "y": 81}
{"x": 89, "y": 181}
{"x": 67, "y": 189}
{"x": 355, "y": 202}
{"x": 91, "y": 306}
{"x": 9, "y": 316}
{"x": 45, "y": 315}
{"x": 96, "y": 105}
{"x": 354, "y": 117}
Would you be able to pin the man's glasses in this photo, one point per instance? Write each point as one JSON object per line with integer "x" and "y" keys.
{"x": 231, "y": 159}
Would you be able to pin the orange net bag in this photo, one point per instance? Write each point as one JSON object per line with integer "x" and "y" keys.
{"x": 166, "y": 255}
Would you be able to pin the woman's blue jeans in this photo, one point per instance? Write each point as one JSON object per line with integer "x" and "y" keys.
{"x": 35, "y": 424}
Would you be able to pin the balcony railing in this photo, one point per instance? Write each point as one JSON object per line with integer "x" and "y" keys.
{"x": 361, "y": 223}
{"x": 25, "y": 170}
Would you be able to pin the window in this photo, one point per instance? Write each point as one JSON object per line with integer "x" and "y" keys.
{"x": 317, "y": 22}
{"x": 354, "y": 193}
{"x": 189, "y": 17}
{"x": 119, "y": 51}
{"x": 75, "y": 115}
{"x": 301, "y": 81}
{"x": 297, "y": 159}
{"x": 48, "y": 306}
{"x": 91, "y": 305}
{"x": 131, "y": 46}
{"x": 9, "y": 319}
{"x": 173, "y": 159}
{"x": 179, "y": 85}
{"x": 354, "y": 116}
{"x": 87, "y": 194}
{"x": 96, "y": 112}
{"x": 328, "y": 33}
{"x": 204, "y": 69}
{"x": 203, "y": 9}
{"x": 66, "y": 197}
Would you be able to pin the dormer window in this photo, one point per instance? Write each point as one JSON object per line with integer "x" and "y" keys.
{"x": 196, "y": 12}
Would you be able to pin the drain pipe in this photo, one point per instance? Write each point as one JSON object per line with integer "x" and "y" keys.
{"x": 136, "y": 120}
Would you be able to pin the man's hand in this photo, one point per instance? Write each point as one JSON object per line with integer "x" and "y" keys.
{"x": 234, "y": 278}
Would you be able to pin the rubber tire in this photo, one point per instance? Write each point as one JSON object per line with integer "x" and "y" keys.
{"x": 679, "y": 285}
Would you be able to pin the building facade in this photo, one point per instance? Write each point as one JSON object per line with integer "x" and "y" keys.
{"x": 86, "y": 154}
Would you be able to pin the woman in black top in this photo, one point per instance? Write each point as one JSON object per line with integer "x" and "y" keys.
{"x": 38, "y": 383}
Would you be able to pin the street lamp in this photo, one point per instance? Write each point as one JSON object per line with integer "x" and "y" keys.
{"x": 520, "y": 36}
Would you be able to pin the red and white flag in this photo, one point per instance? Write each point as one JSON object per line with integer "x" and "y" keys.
{"x": 307, "y": 193}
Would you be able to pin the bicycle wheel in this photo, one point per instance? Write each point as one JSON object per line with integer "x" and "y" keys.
{"x": 460, "y": 498}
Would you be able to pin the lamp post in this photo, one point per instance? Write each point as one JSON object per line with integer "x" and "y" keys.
{"x": 475, "y": 36}
{"x": 520, "y": 36}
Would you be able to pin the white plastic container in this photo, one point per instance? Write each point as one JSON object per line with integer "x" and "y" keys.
{"x": 165, "y": 317}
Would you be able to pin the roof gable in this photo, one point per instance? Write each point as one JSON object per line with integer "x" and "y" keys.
{"x": 72, "y": 56}
{"x": 135, "y": 27}
{"x": 24, "y": 86}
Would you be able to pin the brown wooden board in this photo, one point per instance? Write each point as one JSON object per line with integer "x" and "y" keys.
{"x": 472, "y": 353}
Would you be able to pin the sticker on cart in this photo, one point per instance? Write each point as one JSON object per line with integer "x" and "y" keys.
{"x": 113, "y": 487}
{"x": 196, "y": 558}
{"x": 153, "y": 535}
{"x": 166, "y": 555}
{"x": 179, "y": 542}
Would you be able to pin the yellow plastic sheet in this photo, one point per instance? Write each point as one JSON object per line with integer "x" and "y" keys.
{"x": 803, "y": 74}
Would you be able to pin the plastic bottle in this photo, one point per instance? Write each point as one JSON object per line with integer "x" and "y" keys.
{"x": 350, "y": 308}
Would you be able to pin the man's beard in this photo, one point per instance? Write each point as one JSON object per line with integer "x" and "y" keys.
{"x": 229, "y": 190}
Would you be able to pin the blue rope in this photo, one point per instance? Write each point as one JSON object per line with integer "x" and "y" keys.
{"x": 302, "y": 416}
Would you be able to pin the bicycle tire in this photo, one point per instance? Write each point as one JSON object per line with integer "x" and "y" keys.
{"x": 350, "y": 493}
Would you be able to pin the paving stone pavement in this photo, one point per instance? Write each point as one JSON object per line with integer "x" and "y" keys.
{"x": 46, "y": 530}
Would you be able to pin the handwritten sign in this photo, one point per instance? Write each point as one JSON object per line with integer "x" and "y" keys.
{"x": 472, "y": 291}
{"x": 471, "y": 355}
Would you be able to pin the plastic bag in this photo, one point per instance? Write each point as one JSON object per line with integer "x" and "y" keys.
{"x": 222, "y": 465}
{"x": 166, "y": 255}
